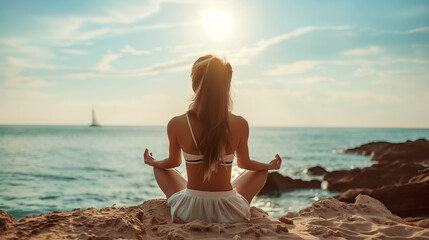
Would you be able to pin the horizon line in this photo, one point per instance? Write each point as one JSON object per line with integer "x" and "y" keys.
{"x": 262, "y": 126}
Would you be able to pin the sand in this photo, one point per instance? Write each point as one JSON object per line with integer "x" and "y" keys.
{"x": 327, "y": 218}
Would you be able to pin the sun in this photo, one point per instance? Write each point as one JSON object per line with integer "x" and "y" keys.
{"x": 216, "y": 23}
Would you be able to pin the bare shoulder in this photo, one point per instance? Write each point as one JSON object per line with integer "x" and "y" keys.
{"x": 176, "y": 121}
{"x": 239, "y": 122}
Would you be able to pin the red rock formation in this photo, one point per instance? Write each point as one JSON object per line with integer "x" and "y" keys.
{"x": 375, "y": 176}
{"x": 404, "y": 200}
{"x": 399, "y": 180}
{"x": 409, "y": 151}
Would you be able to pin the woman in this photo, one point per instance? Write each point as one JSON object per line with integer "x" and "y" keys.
{"x": 209, "y": 135}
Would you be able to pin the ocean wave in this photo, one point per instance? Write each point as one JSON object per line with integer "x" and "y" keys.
{"x": 46, "y": 176}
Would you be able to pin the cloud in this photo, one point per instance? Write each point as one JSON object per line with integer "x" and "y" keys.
{"x": 16, "y": 80}
{"x": 364, "y": 72}
{"x": 23, "y": 46}
{"x": 269, "y": 92}
{"x": 86, "y": 75}
{"x": 182, "y": 68}
{"x": 254, "y": 82}
{"x": 315, "y": 79}
{"x": 74, "y": 51}
{"x": 13, "y": 77}
{"x": 104, "y": 64}
{"x": 242, "y": 56}
{"x": 363, "y": 51}
{"x": 307, "y": 65}
{"x": 296, "y": 67}
{"x": 412, "y": 60}
{"x": 181, "y": 64}
{"x": 343, "y": 83}
{"x": 421, "y": 29}
{"x": 370, "y": 71}
{"x": 359, "y": 96}
{"x": 178, "y": 65}
{"x": 69, "y": 30}
{"x": 185, "y": 47}
{"x": 129, "y": 49}
{"x": 385, "y": 76}
{"x": 24, "y": 93}
{"x": 23, "y": 64}
{"x": 395, "y": 32}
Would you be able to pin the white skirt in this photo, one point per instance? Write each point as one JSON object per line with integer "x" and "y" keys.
{"x": 211, "y": 207}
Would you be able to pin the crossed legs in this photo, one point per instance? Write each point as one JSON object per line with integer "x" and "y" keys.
{"x": 248, "y": 184}
{"x": 169, "y": 180}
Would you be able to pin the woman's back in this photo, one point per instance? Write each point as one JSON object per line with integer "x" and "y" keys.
{"x": 209, "y": 135}
{"x": 221, "y": 179}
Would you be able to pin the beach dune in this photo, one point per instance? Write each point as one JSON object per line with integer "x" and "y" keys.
{"x": 327, "y": 218}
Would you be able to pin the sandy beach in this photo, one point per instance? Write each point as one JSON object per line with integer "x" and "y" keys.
{"x": 327, "y": 218}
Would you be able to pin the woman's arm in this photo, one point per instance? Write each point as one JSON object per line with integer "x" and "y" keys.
{"x": 243, "y": 159}
{"x": 174, "y": 159}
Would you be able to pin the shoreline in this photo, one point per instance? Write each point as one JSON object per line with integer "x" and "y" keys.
{"x": 326, "y": 218}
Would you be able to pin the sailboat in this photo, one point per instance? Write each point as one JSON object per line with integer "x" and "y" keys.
{"x": 94, "y": 121}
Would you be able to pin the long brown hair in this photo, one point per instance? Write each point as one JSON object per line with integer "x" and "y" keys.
{"x": 211, "y": 82}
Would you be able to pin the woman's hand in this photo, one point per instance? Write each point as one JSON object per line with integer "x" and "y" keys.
{"x": 275, "y": 164}
{"x": 148, "y": 159}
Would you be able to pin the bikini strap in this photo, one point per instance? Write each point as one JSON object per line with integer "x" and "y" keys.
{"x": 192, "y": 133}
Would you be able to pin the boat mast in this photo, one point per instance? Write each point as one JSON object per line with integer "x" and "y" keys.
{"x": 94, "y": 122}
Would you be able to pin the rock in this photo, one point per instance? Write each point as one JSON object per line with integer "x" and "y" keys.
{"x": 422, "y": 177}
{"x": 409, "y": 151}
{"x": 375, "y": 176}
{"x": 7, "y": 222}
{"x": 418, "y": 221}
{"x": 284, "y": 219}
{"x": 277, "y": 182}
{"x": 368, "y": 148}
{"x": 398, "y": 179}
{"x": 350, "y": 195}
{"x": 317, "y": 171}
{"x": 404, "y": 200}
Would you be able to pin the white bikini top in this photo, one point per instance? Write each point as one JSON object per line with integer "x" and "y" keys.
{"x": 196, "y": 159}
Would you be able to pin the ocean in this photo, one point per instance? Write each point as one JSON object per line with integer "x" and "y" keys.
{"x": 48, "y": 168}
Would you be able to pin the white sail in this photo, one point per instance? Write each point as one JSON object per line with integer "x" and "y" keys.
{"x": 94, "y": 121}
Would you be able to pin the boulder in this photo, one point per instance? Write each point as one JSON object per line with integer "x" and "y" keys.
{"x": 399, "y": 179}
{"x": 404, "y": 200}
{"x": 277, "y": 182}
{"x": 316, "y": 171}
{"x": 409, "y": 151}
{"x": 350, "y": 195}
{"x": 375, "y": 176}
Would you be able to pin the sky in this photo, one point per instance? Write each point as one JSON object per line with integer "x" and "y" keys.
{"x": 296, "y": 63}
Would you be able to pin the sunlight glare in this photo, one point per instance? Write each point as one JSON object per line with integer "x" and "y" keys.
{"x": 216, "y": 23}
